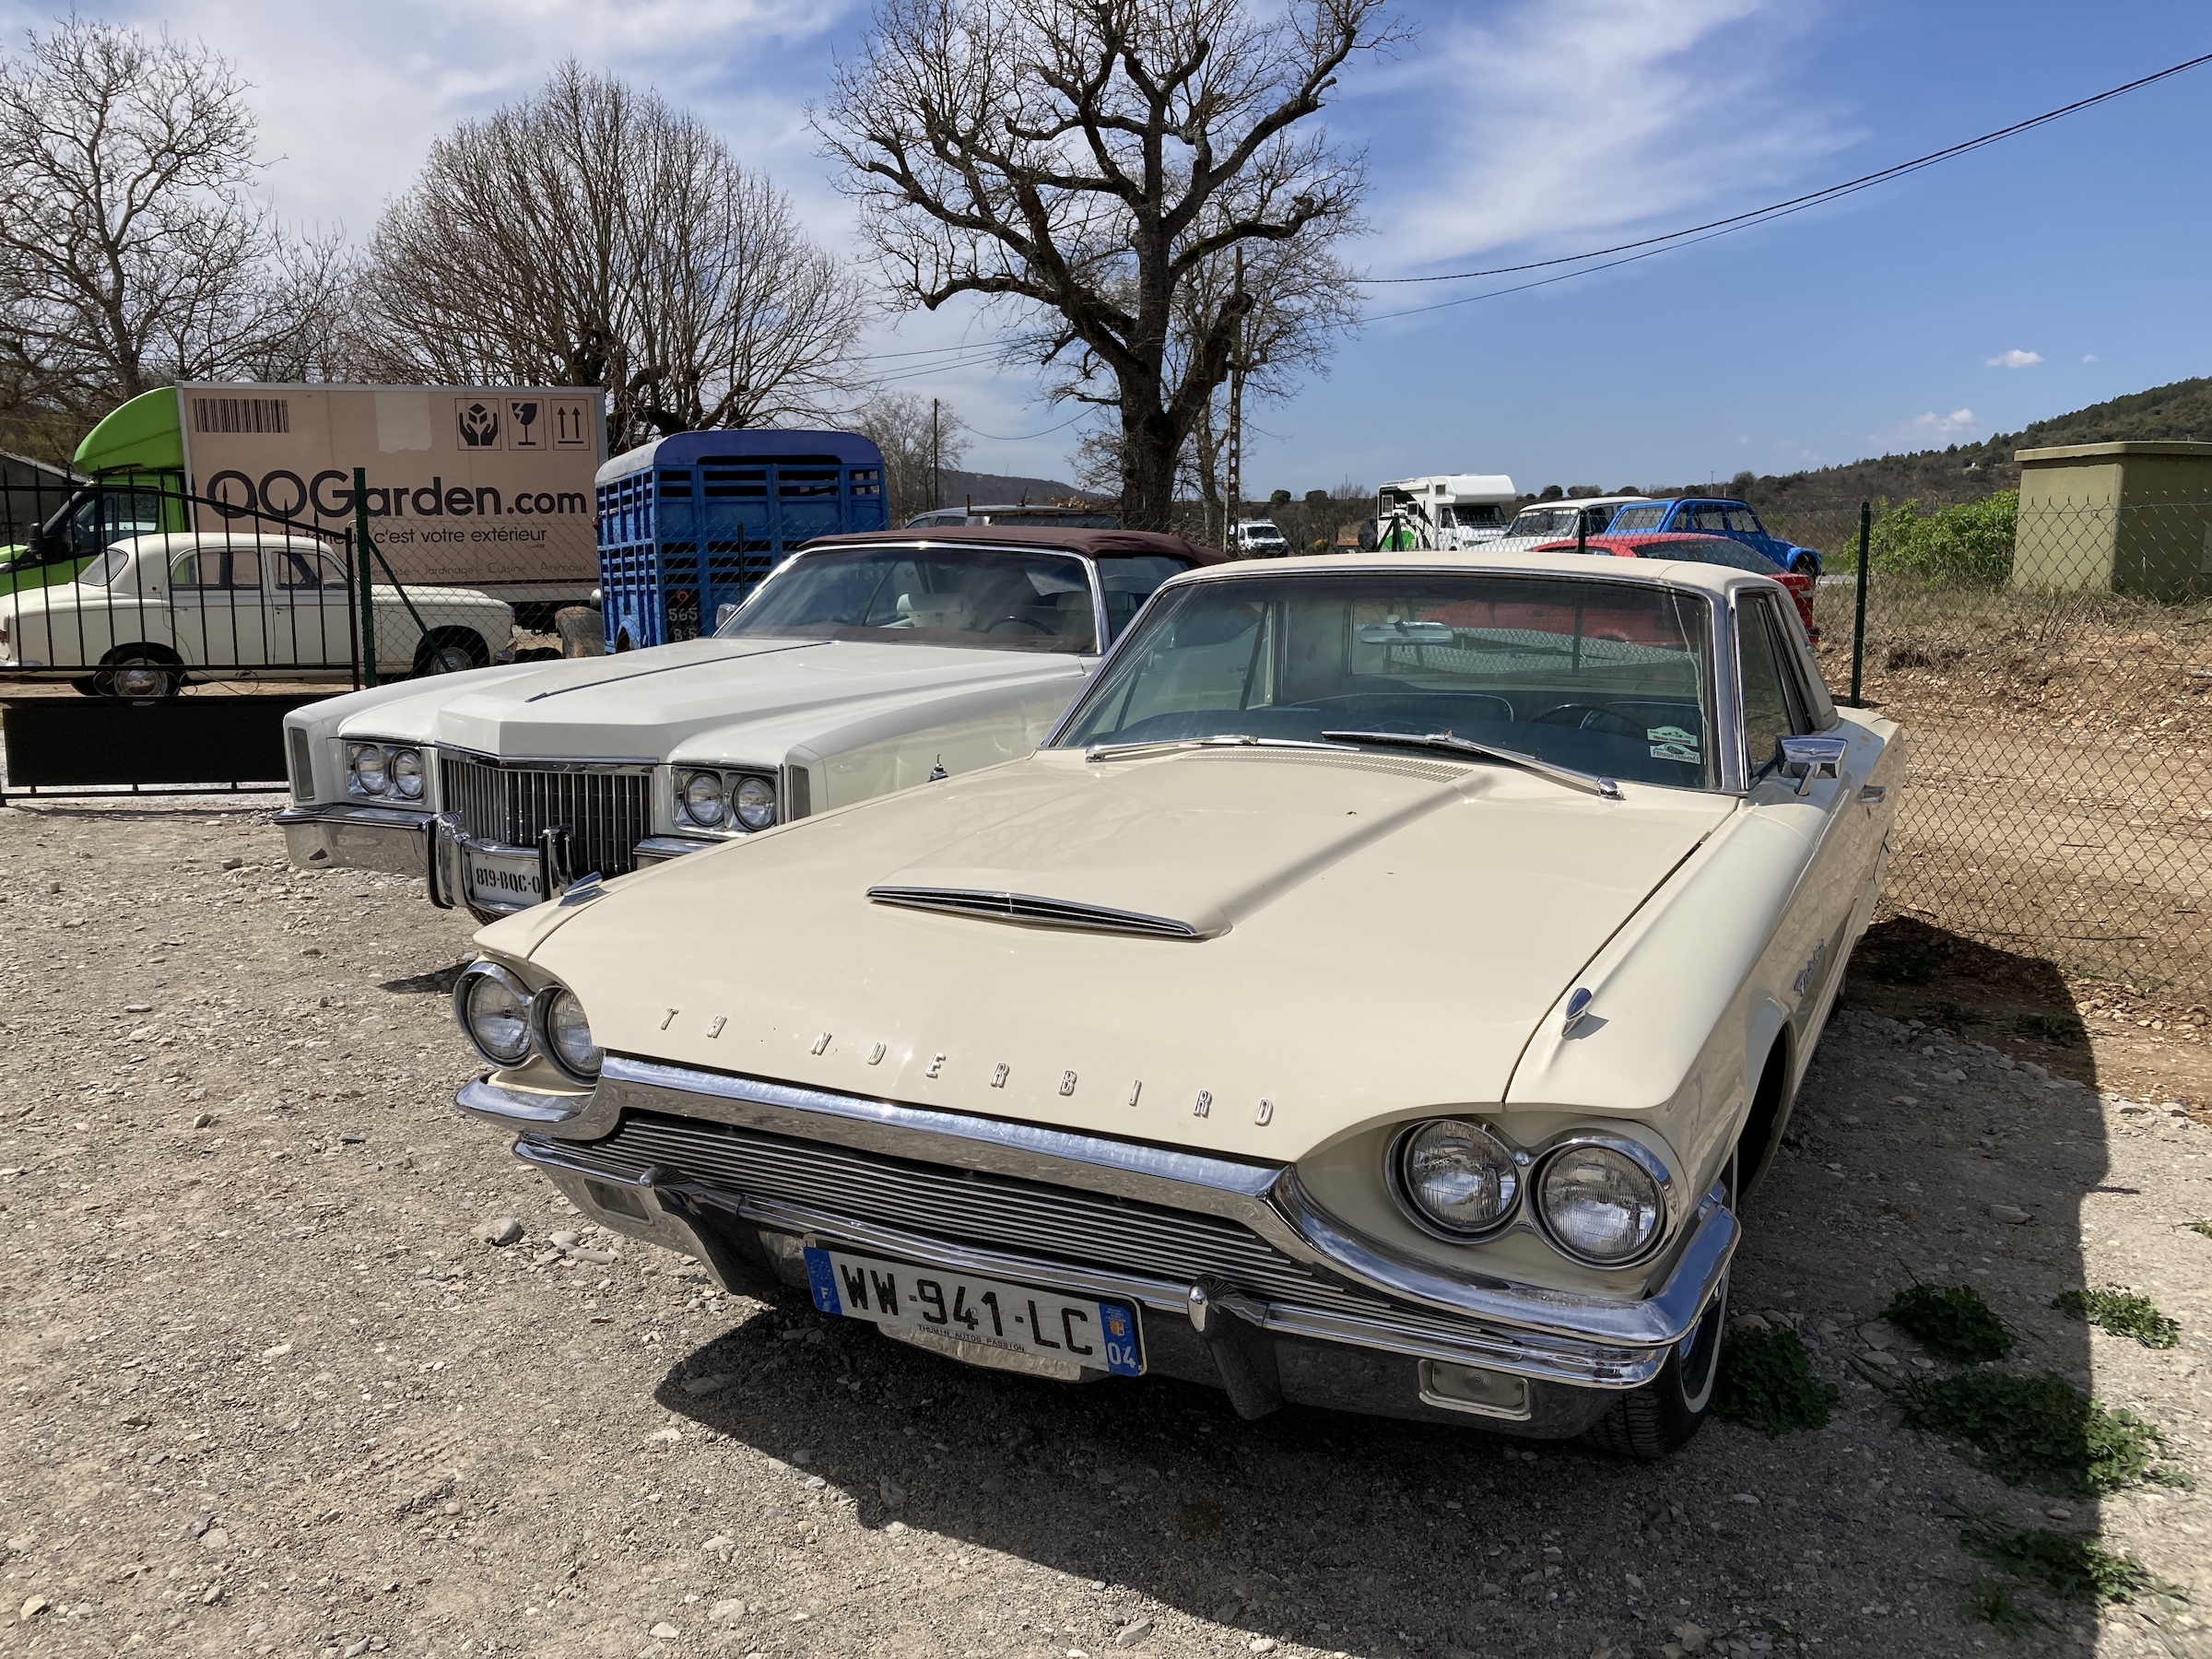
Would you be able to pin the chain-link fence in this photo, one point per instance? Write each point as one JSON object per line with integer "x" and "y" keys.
{"x": 2049, "y": 656}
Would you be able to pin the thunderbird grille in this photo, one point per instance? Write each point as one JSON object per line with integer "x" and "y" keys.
{"x": 607, "y": 810}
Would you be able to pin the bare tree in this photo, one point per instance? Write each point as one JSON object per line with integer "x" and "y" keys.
{"x": 1080, "y": 158}
{"x": 914, "y": 447}
{"x": 133, "y": 252}
{"x": 594, "y": 236}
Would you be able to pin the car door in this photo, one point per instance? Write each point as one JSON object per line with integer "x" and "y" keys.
{"x": 1805, "y": 957}
{"x": 219, "y": 607}
{"x": 313, "y": 606}
{"x": 1743, "y": 524}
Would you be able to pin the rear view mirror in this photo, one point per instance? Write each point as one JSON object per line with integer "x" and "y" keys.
{"x": 1406, "y": 633}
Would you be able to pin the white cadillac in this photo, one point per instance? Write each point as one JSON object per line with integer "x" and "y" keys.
{"x": 1378, "y": 992}
{"x": 864, "y": 664}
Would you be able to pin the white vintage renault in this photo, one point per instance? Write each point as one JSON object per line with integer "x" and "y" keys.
{"x": 1378, "y": 992}
{"x": 864, "y": 664}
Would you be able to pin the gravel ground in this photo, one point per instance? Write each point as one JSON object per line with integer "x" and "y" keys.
{"x": 269, "y": 1390}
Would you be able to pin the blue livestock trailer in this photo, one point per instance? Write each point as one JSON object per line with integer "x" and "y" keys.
{"x": 690, "y": 523}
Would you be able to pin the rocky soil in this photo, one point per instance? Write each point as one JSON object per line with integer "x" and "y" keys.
{"x": 269, "y": 1389}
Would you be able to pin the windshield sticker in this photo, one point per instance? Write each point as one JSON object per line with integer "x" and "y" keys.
{"x": 1671, "y": 735}
{"x": 1673, "y": 752}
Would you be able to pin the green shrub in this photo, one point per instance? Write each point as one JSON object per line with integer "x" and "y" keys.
{"x": 2073, "y": 1569}
{"x": 2040, "y": 1431}
{"x": 1766, "y": 1383}
{"x": 2121, "y": 1313}
{"x": 1992, "y": 1604}
{"x": 1968, "y": 545}
{"x": 1951, "y": 1320}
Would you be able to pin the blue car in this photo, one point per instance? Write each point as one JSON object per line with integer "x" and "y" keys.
{"x": 1713, "y": 516}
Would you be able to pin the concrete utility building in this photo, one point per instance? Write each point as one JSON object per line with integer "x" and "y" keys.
{"x": 2121, "y": 518}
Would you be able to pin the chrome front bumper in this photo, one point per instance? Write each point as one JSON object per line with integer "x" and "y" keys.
{"x": 355, "y": 836}
{"x": 692, "y": 1160}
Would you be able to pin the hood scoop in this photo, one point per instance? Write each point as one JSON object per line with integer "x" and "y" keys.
{"x": 1028, "y": 909}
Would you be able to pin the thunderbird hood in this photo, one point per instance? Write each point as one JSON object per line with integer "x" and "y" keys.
{"x": 636, "y": 705}
{"x": 1348, "y": 935}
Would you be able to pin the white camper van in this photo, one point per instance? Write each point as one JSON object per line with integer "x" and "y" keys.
{"x": 1459, "y": 509}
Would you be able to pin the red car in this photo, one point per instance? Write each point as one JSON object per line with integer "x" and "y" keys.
{"x": 1696, "y": 550}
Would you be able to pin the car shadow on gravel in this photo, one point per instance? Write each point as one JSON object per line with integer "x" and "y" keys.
{"x": 1912, "y": 1158}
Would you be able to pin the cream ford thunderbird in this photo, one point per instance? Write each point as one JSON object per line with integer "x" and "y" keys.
{"x": 1378, "y": 993}
{"x": 867, "y": 663}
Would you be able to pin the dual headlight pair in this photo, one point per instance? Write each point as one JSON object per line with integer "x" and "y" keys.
{"x": 505, "y": 1020}
{"x": 1599, "y": 1200}
{"x": 384, "y": 772}
{"x": 710, "y": 798}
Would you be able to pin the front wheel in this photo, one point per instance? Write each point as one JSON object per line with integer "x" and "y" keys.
{"x": 138, "y": 675}
{"x": 450, "y": 651}
{"x": 1665, "y": 1414}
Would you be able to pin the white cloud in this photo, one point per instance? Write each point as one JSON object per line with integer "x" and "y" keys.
{"x": 1567, "y": 118}
{"x": 2090, "y": 357}
{"x": 1928, "y": 431}
{"x": 2016, "y": 358}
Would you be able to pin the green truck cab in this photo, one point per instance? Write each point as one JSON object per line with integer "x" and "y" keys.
{"x": 135, "y": 458}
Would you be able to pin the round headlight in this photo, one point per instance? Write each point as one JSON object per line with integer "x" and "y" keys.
{"x": 702, "y": 798}
{"x": 404, "y": 768}
{"x": 1458, "y": 1178}
{"x": 1599, "y": 1204}
{"x": 568, "y": 1035}
{"x": 495, "y": 1013}
{"x": 755, "y": 803}
{"x": 368, "y": 763}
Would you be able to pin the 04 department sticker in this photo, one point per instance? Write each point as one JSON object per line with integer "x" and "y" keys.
{"x": 1672, "y": 743}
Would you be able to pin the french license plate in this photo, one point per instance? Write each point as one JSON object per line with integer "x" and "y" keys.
{"x": 1102, "y": 1336}
{"x": 503, "y": 880}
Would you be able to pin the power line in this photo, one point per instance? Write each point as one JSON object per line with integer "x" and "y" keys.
{"x": 1706, "y": 232}
{"x": 998, "y": 438}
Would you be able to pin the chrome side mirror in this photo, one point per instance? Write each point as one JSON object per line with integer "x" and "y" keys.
{"x": 1807, "y": 758}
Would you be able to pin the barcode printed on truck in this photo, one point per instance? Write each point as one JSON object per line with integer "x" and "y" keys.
{"x": 241, "y": 414}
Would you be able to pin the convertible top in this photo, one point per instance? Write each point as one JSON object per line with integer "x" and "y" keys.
{"x": 1091, "y": 542}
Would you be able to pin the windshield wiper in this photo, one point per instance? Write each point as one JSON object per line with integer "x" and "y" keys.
{"x": 1569, "y": 775}
{"x": 1115, "y": 751}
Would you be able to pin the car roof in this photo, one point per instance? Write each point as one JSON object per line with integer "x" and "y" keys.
{"x": 1481, "y": 562}
{"x": 1582, "y": 502}
{"x": 1645, "y": 538}
{"x": 179, "y": 541}
{"x": 1014, "y": 538}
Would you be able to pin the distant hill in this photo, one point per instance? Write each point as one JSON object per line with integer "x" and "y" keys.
{"x": 1965, "y": 472}
{"x": 959, "y": 489}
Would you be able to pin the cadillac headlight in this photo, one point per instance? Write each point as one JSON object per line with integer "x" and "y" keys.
{"x": 365, "y": 769}
{"x": 755, "y": 800}
{"x": 715, "y": 798}
{"x": 1455, "y": 1178}
{"x": 567, "y": 1035}
{"x": 1600, "y": 1204}
{"x": 702, "y": 799}
{"x": 493, "y": 1008}
{"x": 404, "y": 768}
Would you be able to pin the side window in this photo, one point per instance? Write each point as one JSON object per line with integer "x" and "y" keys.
{"x": 305, "y": 567}
{"x": 1704, "y": 517}
{"x": 245, "y": 567}
{"x": 197, "y": 567}
{"x": 1743, "y": 519}
{"x": 1772, "y": 706}
{"x": 1127, "y": 580}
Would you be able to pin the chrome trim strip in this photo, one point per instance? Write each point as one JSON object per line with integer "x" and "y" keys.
{"x": 628, "y": 765}
{"x": 1579, "y": 1364}
{"x": 1035, "y": 911}
{"x": 1268, "y": 1198}
{"x": 658, "y": 849}
{"x": 413, "y": 819}
{"x": 513, "y": 1108}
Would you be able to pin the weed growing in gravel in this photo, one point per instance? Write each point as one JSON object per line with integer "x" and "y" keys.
{"x": 1953, "y": 1016}
{"x": 1989, "y": 1602}
{"x": 2040, "y": 1431}
{"x": 2073, "y": 1569}
{"x": 2060, "y": 1028}
{"x": 1766, "y": 1383}
{"x": 2199, "y": 1227}
{"x": 2121, "y": 1313}
{"x": 1907, "y": 965}
{"x": 1952, "y": 1321}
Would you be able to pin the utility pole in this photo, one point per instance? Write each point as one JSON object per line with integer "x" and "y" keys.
{"x": 1232, "y": 506}
{"x": 936, "y": 454}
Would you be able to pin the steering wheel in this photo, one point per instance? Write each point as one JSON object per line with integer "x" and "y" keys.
{"x": 1034, "y": 627}
{"x": 1594, "y": 717}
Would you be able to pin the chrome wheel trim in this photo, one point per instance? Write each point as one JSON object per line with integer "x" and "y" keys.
{"x": 140, "y": 679}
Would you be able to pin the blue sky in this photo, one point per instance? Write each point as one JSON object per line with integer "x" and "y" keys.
{"x": 1505, "y": 131}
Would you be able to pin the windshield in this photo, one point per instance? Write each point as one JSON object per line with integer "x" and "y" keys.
{"x": 1476, "y": 516}
{"x": 1604, "y": 676}
{"x": 1544, "y": 521}
{"x": 1000, "y": 601}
